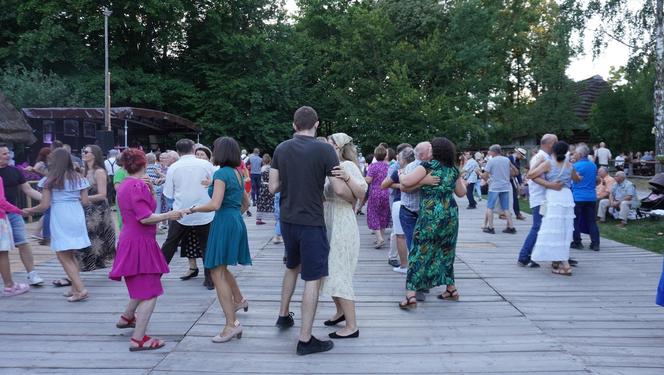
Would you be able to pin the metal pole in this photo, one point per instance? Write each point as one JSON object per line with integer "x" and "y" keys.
{"x": 107, "y": 75}
{"x": 125, "y": 134}
{"x": 198, "y": 138}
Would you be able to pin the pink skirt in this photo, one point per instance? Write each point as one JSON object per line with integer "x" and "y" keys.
{"x": 144, "y": 286}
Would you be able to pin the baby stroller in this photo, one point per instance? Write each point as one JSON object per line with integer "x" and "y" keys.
{"x": 654, "y": 200}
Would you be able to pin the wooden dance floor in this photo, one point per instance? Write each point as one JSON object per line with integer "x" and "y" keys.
{"x": 510, "y": 320}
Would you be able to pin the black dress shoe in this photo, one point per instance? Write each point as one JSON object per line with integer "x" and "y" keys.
{"x": 533, "y": 264}
{"x": 313, "y": 346}
{"x": 286, "y": 321}
{"x": 576, "y": 245}
{"x": 353, "y": 335}
{"x": 572, "y": 262}
{"x": 594, "y": 247}
{"x": 335, "y": 321}
{"x": 191, "y": 275}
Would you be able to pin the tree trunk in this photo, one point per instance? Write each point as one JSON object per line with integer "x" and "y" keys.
{"x": 658, "y": 101}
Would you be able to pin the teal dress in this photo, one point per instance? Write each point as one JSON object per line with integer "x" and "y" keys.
{"x": 431, "y": 261}
{"x": 227, "y": 244}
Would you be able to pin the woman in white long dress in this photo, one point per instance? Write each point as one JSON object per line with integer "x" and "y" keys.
{"x": 343, "y": 235}
{"x": 555, "y": 234}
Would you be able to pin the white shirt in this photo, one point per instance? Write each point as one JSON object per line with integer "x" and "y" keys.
{"x": 183, "y": 185}
{"x": 537, "y": 192}
{"x": 111, "y": 166}
{"x": 603, "y": 155}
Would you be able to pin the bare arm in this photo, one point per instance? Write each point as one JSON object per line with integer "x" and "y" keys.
{"x": 387, "y": 183}
{"x": 85, "y": 200}
{"x": 460, "y": 187}
{"x": 542, "y": 168}
{"x": 100, "y": 178}
{"x": 274, "y": 185}
{"x": 575, "y": 176}
{"x": 157, "y": 218}
{"x": 413, "y": 178}
{"x": 30, "y": 192}
{"x": 43, "y": 205}
{"x": 557, "y": 185}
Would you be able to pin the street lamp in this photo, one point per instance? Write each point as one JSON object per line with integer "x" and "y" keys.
{"x": 107, "y": 76}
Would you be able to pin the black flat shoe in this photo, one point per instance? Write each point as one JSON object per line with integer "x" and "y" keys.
{"x": 191, "y": 275}
{"x": 335, "y": 321}
{"x": 353, "y": 335}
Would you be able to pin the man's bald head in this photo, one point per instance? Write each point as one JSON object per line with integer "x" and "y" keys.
{"x": 423, "y": 151}
{"x": 602, "y": 172}
{"x": 546, "y": 144}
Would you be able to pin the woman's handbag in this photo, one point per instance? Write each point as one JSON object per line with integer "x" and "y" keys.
{"x": 245, "y": 196}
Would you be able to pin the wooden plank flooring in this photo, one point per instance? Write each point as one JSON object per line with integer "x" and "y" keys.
{"x": 510, "y": 320}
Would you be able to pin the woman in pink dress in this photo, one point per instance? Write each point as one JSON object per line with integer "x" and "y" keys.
{"x": 139, "y": 259}
{"x": 6, "y": 245}
{"x": 378, "y": 205}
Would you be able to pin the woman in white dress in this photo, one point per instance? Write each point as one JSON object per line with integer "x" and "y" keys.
{"x": 555, "y": 234}
{"x": 343, "y": 235}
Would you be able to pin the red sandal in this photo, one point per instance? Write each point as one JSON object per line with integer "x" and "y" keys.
{"x": 130, "y": 323}
{"x": 154, "y": 344}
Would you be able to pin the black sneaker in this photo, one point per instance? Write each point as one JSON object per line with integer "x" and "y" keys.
{"x": 572, "y": 262}
{"x": 521, "y": 264}
{"x": 533, "y": 264}
{"x": 394, "y": 263}
{"x": 286, "y": 321}
{"x": 509, "y": 230}
{"x": 489, "y": 230}
{"x": 248, "y": 213}
{"x": 576, "y": 245}
{"x": 594, "y": 246}
{"x": 313, "y": 346}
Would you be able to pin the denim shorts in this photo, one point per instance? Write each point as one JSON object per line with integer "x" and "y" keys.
{"x": 18, "y": 229}
{"x": 307, "y": 246}
{"x": 503, "y": 197}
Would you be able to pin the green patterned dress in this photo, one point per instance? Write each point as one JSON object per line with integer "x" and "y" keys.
{"x": 431, "y": 261}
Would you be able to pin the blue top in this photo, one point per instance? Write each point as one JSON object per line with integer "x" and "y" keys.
{"x": 556, "y": 174}
{"x": 71, "y": 192}
{"x": 233, "y": 192}
{"x": 395, "y": 179}
{"x": 623, "y": 189}
{"x": 584, "y": 190}
{"x": 395, "y": 194}
{"x": 255, "y": 164}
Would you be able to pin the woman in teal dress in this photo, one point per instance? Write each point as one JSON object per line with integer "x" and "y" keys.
{"x": 227, "y": 242}
{"x": 431, "y": 260}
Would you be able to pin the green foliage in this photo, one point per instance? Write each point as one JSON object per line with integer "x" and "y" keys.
{"x": 476, "y": 71}
{"x": 623, "y": 115}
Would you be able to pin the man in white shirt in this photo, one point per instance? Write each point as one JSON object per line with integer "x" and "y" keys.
{"x": 469, "y": 173}
{"x": 602, "y": 155}
{"x": 184, "y": 184}
{"x": 537, "y": 194}
{"x": 111, "y": 165}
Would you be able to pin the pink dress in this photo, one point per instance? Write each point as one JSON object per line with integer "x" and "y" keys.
{"x": 138, "y": 257}
{"x": 378, "y": 205}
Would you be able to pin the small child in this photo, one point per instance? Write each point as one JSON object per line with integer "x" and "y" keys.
{"x": 6, "y": 244}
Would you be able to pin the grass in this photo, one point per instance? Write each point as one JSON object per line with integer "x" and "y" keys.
{"x": 644, "y": 233}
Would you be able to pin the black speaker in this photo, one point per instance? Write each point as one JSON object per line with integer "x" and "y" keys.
{"x": 105, "y": 140}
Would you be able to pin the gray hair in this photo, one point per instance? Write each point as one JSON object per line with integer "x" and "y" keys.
{"x": 113, "y": 153}
{"x": 496, "y": 149}
{"x": 151, "y": 158}
{"x": 620, "y": 174}
{"x": 582, "y": 149}
{"x": 407, "y": 155}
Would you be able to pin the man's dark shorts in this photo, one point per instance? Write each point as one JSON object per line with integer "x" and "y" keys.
{"x": 306, "y": 245}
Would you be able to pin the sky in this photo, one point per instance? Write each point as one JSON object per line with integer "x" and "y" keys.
{"x": 581, "y": 67}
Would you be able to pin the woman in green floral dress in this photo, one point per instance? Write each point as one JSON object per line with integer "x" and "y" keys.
{"x": 431, "y": 260}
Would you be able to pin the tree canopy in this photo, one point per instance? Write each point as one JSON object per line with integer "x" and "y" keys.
{"x": 380, "y": 70}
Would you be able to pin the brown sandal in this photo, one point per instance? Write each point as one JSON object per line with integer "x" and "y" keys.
{"x": 411, "y": 302}
{"x": 449, "y": 295}
{"x": 562, "y": 271}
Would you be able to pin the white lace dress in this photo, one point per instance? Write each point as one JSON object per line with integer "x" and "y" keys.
{"x": 344, "y": 237}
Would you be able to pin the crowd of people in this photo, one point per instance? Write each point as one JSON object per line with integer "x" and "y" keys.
{"x": 315, "y": 187}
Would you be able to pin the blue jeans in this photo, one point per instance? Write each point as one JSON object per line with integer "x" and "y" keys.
{"x": 529, "y": 244}
{"x": 255, "y": 187}
{"x": 277, "y": 214}
{"x": 408, "y": 220}
{"x": 585, "y": 211}
{"x": 46, "y": 227}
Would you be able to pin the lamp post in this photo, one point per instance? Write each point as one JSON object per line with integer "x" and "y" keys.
{"x": 107, "y": 76}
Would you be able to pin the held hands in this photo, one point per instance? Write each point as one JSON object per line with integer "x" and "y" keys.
{"x": 175, "y": 214}
{"x": 26, "y": 212}
{"x": 431, "y": 180}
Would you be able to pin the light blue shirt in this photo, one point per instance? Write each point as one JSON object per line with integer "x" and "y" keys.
{"x": 623, "y": 189}
{"x": 470, "y": 168}
{"x": 411, "y": 200}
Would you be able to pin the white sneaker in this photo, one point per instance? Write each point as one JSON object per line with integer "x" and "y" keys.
{"x": 34, "y": 278}
{"x": 400, "y": 270}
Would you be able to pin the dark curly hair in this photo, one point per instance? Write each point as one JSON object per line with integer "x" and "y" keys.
{"x": 133, "y": 160}
{"x": 560, "y": 149}
{"x": 444, "y": 151}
